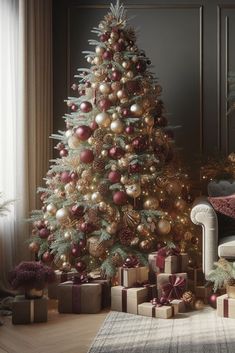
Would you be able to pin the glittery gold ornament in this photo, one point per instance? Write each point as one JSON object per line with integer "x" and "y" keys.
{"x": 102, "y": 206}
{"x": 133, "y": 190}
{"x": 69, "y": 188}
{"x": 199, "y": 304}
{"x": 117, "y": 126}
{"x": 97, "y": 248}
{"x": 96, "y": 197}
{"x": 151, "y": 203}
{"x": 164, "y": 227}
{"x": 66, "y": 266}
{"x": 145, "y": 245}
{"x": 131, "y": 218}
{"x": 173, "y": 188}
{"x": 149, "y": 120}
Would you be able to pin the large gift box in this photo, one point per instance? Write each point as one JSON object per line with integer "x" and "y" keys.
{"x": 128, "y": 299}
{"x": 83, "y": 298}
{"x": 26, "y": 311}
{"x": 61, "y": 277}
{"x": 128, "y": 277}
{"x": 105, "y": 291}
{"x": 163, "y": 311}
{"x": 172, "y": 286}
{"x": 168, "y": 261}
{"x": 226, "y": 306}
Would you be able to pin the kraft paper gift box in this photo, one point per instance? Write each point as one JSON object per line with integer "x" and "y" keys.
{"x": 226, "y": 306}
{"x": 127, "y": 299}
{"x": 163, "y": 312}
{"x": 26, "y": 311}
{"x": 179, "y": 304}
{"x": 105, "y": 291}
{"x": 61, "y": 277}
{"x": 79, "y": 298}
{"x": 203, "y": 292}
{"x": 129, "y": 276}
{"x": 163, "y": 278}
{"x": 172, "y": 263}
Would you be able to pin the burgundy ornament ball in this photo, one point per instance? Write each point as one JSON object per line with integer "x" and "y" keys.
{"x": 107, "y": 55}
{"x": 129, "y": 129}
{"x": 126, "y": 112}
{"x": 116, "y": 152}
{"x": 104, "y": 37}
{"x": 94, "y": 125}
{"x": 74, "y": 107}
{"x": 86, "y": 107}
{"x": 77, "y": 211}
{"x": 135, "y": 168}
{"x": 65, "y": 177}
{"x": 80, "y": 266}
{"x": 86, "y": 156}
{"x": 63, "y": 152}
{"x": 160, "y": 121}
{"x": 119, "y": 46}
{"x": 104, "y": 104}
{"x": 86, "y": 227}
{"x": 120, "y": 198}
{"x": 140, "y": 66}
{"x": 47, "y": 257}
{"x": 213, "y": 300}
{"x": 114, "y": 176}
{"x": 132, "y": 86}
{"x": 39, "y": 224}
{"x": 82, "y": 243}
{"x": 83, "y": 132}
{"x": 74, "y": 176}
{"x": 75, "y": 250}
{"x": 116, "y": 75}
{"x": 139, "y": 144}
{"x": 44, "y": 233}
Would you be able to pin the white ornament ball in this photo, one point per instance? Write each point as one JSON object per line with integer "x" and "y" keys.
{"x": 51, "y": 209}
{"x": 103, "y": 119}
{"x": 62, "y": 214}
{"x": 97, "y": 60}
{"x": 99, "y": 50}
{"x": 73, "y": 142}
{"x": 89, "y": 59}
{"x": 117, "y": 126}
{"x": 136, "y": 109}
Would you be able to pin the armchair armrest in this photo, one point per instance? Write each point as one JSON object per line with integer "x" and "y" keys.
{"x": 204, "y": 215}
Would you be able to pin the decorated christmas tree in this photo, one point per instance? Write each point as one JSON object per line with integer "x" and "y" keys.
{"x": 116, "y": 188}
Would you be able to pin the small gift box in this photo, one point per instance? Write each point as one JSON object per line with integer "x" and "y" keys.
{"x": 61, "y": 277}
{"x": 171, "y": 286}
{"x": 79, "y": 298}
{"x": 26, "y": 311}
{"x": 131, "y": 272}
{"x": 127, "y": 299}
{"x": 168, "y": 260}
{"x": 203, "y": 292}
{"x": 155, "y": 309}
{"x": 226, "y": 306}
{"x": 179, "y": 304}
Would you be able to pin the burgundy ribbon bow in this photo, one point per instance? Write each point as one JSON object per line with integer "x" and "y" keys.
{"x": 163, "y": 253}
{"x": 174, "y": 288}
{"x": 130, "y": 262}
{"x": 81, "y": 279}
{"x": 160, "y": 302}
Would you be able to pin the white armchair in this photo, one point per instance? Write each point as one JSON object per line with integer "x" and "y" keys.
{"x": 215, "y": 241}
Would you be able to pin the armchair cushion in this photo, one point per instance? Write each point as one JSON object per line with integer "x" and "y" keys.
{"x": 224, "y": 205}
{"x": 227, "y": 247}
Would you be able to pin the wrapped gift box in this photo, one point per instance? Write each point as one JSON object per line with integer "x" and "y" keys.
{"x": 127, "y": 299}
{"x": 163, "y": 278}
{"x": 163, "y": 312}
{"x": 172, "y": 263}
{"x": 179, "y": 305}
{"x": 195, "y": 278}
{"x": 203, "y": 293}
{"x": 26, "y": 311}
{"x": 79, "y": 298}
{"x": 226, "y": 306}
{"x": 60, "y": 278}
{"x": 105, "y": 291}
{"x": 128, "y": 277}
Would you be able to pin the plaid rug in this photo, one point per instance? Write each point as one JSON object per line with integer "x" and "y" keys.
{"x": 194, "y": 332}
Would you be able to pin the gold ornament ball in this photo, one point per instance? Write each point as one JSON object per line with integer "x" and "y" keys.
{"x": 135, "y": 241}
{"x": 63, "y": 257}
{"x": 99, "y": 50}
{"x": 117, "y": 126}
{"x": 141, "y": 229}
{"x": 126, "y": 64}
{"x": 113, "y": 167}
{"x": 113, "y": 97}
{"x": 145, "y": 245}
{"x": 67, "y": 235}
{"x": 133, "y": 190}
{"x": 116, "y": 86}
{"x": 173, "y": 188}
{"x": 152, "y": 169}
{"x": 73, "y": 142}
{"x": 124, "y": 79}
{"x": 199, "y": 304}
{"x": 62, "y": 214}
{"x": 180, "y": 204}
{"x": 114, "y": 36}
{"x": 123, "y": 162}
{"x": 149, "y": 120}
{"x": 104, "y": 153}
{"x": 112, "y": 228}
{"x": 102, "y": 206}
{"x": 188, "y": 236}
{"x": 115, "y": 116}
{"x": 69, "y": 188}
{"x": 151, "y": 203}
{"x": 121, "y": 94}
{"x": 103, "y": 119}
{"x": 97, "y": 248}
{"x": 51, "y": 209}
{"x": 96, "y": 197}
{"x": 104, "y": 88}
{"x": 129, "y": 148}
{"x": 87, "y": 197}
{"x": 130, "y": 74}
{"x": 90, "y": 140}
{"x": 136, "y": 109}
{"x": 124, "y": 179}
{"x": 66, "y": 266}
{"x": 34, "y": 247}
{"x": 164, "y": 227}
{"x": 97, "y": 60}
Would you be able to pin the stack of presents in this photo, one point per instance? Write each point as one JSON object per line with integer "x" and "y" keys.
{"x": 155, "y": 290}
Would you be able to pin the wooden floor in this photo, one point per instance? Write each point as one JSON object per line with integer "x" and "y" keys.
{"x": 63, "y": 333}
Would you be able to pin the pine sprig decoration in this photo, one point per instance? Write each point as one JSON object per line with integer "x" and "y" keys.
{"x": 224, "y": 271}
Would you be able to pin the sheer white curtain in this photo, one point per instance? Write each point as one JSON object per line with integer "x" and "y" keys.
{"x": 25, "y": 118}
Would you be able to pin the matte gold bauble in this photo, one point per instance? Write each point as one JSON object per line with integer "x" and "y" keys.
{"x": 136, "y": 109}
{"x": 102, "y": 206}
{"x": 97, "y": 60}
{"x": 104, "y": 88}
{"x": 34, "y": 247}
{"x": 133, "y": 190}
{"x": 51, "y": 209}
{"x": 68, "y": 235}
{"x": 164, "y": 227}
{"x": 145, "y": 245}
{"x": 96, "y": 197}
{"x": 66, "y": 266}
{"x": 117, "y": 126}
{"x": 74, "y": 142}
{"x": 199, "y": 304}
{"x": 151, "y": 203}
{"x": 131, "y": 218}
{"x": 99, "y": 50}
{"x": 149, "y": 120}
{"x": 103, "y": 119}
{"x": 62, "y": 214}
{"x": 112, "y": 228}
